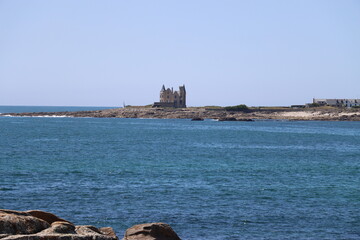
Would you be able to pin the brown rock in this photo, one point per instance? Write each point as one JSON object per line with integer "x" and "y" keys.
{"x": 56, "y": 237}
{"x": 46, "y": 216}
{"x": 87, "y": 230}
{"x": 151, "y": 231}
{"x": 15, "y": 225}
{"x": 108, "y": 231}
{"x": 60, "y": 228}
{"x": 15, "y": 222}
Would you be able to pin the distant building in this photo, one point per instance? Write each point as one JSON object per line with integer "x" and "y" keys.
{"x": 337, "y": 102}
{"x": 171, "y": 98}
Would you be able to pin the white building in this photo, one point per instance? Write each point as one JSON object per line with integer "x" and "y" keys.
{"x": 337, "y": 102}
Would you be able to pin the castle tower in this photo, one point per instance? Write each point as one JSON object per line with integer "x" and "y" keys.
{"x": 182, "y": 102}
{"x": 162, "y": 94}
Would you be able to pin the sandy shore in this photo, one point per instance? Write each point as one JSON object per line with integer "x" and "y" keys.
{"x": 326, "y": 114}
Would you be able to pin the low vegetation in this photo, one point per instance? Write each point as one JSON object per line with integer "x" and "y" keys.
{"x": 314, "y": 105}
{"x": 213, "y": 107}
{"x": 146, "y": 106}
{"x": 237, "y": 108}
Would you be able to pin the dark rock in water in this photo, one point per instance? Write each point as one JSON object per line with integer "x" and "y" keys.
{"x": 227, "y": 119}
{"x": 39, "y": 225}
{"x": 197, "y": 119}
{"x": 246, "y": 120}
{"x": 151, "y": 231}
{"x": 235, "y": 119}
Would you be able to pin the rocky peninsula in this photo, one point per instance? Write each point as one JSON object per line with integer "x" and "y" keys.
{"x": 200, "y": 113}
{"x": 40, "y": 225}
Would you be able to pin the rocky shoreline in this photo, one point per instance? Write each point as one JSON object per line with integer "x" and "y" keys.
{"x": 40, "y": 225}
{"x": 200, "y": 113}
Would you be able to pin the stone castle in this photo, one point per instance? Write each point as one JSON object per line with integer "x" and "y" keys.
{"x": 171, "y": 98}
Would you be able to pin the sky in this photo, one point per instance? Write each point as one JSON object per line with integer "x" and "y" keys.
{"x": 230, "y": 52}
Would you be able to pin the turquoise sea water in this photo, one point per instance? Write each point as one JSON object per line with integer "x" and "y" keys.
{"x": 20, "y": 109}
{"x": 208, "y": 180}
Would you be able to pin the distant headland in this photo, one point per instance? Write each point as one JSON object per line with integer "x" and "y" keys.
{"x": 172, "y": 105}
{"x": 235, "y": 113}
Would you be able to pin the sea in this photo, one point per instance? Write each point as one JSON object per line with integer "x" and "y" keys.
{"x": 208, "y": 180}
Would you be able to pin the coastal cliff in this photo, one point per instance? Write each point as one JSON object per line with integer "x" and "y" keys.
{"x": 320, "y": 114}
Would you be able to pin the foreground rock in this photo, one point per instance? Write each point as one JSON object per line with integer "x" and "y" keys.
{"x": 151, "y": 231}
{"x": 39, "y": 225}
{"x": 14, "y": 222}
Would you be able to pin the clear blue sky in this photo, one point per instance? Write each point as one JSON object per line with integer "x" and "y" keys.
{"x": 101, "y": 53}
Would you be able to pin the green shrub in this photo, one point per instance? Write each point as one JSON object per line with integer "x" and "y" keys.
{"x": 238, "y": 108}
{"x": 314, "y": 105}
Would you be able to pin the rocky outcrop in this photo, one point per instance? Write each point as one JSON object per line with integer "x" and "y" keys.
{"x": 151, "y": 231}
{"x": 39, "y": 225}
